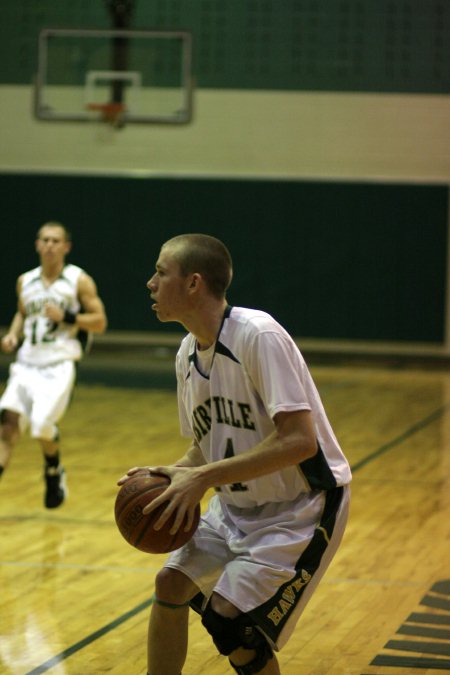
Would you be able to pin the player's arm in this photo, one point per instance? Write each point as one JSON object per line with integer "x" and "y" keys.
{"x": 92, "y": 318}
{"x": 292, "y": 441}
{"x": 15, "y": 331}
{"x": 192, "y": 457}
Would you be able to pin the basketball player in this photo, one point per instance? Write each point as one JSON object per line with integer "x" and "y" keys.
{"x": 58, "y": 306}
{"x": 260, "y": 437}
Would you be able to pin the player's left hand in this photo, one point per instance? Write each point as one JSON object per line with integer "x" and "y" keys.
{"x": 54, "y": 313}
{"x": 133, "y": 471}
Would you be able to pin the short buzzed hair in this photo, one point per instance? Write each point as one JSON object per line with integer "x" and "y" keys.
{"x": 206, "y": 255}
{"x": 54, "y": 223}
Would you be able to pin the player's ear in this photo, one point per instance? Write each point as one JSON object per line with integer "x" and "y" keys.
{"x": 194, "y": 281}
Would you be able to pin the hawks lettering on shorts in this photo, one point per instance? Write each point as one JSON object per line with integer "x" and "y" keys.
{"x": 288, "y": 599}
{"x": 221, "y": 410}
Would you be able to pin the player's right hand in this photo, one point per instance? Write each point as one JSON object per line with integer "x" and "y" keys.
{"x": 9, "y": 343}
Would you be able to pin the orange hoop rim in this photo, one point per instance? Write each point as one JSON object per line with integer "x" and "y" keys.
{"x": 112, "y": 111}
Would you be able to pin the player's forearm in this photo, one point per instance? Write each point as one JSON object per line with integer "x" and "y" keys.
{"x": 192, "y": 457}
{"x": 92, "y": 319}
{"x": 269, "y": 456}
{"x": 93, "y": 322}
{"x": 10, "y": 341}
{"x": 16, "y": 327}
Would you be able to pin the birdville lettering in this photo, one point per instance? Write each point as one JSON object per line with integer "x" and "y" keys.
{"x": 224, "y": 411}
{"x": 36, "y": 306}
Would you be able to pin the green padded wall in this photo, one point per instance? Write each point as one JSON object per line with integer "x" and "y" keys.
{"x": 328, "y": 260}
{"x": 334, "y": 45}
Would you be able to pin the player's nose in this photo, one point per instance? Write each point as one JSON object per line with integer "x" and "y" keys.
{"x": 151, "y": 285}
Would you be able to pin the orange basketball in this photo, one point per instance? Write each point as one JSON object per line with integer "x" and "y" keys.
{"x": 137, "y": 528}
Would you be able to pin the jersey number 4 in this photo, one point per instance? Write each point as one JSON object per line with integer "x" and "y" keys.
{"x": 234, "y": 487}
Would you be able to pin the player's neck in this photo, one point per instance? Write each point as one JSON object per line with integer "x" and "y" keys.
{"x": 208, "y": 325}
{"x": 50, "y": 273}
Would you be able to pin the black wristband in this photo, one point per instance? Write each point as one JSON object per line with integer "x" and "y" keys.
{"x": 69, "y": 317}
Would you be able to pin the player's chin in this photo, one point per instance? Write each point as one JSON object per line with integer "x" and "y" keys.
{"x": 163, "y": 317}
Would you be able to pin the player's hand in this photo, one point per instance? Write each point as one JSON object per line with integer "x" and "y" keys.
{"x": 133, "y": 471}
{"x": 54, "y": 313}
{"x": 181, "y": 497}
{"x": 9, "y": 343}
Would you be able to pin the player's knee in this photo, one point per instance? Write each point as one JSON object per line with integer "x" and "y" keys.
{"x": 9, "y": 426}
{"x": 256, "y": 662}
{"x": 174, "y": 587}
{"x": 237, "y": 633}
{"x": 43, "y": 430}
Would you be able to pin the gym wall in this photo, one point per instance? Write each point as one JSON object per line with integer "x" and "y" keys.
{"x": 318, "y": 151}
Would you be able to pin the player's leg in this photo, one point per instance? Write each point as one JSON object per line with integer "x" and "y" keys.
{"x": 168, "y": 625}
{"x": 51, "y": 397}
{"x": 54, "y": 474}
{"x": 236, "y": 636}
{"x": 15, "y": 408}
{"x": 9, "y": 435}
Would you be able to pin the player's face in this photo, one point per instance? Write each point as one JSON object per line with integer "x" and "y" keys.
{"x": 52, "y": 245}
{"x": 168, "y": 288}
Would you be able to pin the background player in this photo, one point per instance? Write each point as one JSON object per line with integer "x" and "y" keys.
{"x": 261, "y": 438}
{"x": 58, "y": 306}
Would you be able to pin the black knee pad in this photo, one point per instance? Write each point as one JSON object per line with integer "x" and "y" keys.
{"x": 231, "y": 634}
{"x": 263, "y": 654}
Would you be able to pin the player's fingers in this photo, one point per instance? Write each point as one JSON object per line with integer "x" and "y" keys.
{"x": 159, "y": 470}
{"x": 165, "y": 515}
{"x": 189, "y": 519}
{"x": 130, "y": 473}
{"x": 177, "y": 522}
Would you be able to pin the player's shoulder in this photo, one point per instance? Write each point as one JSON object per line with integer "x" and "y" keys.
{"x": 186, "y": 348}
{"x": 72, "y": 272}
{"x": 29, "y": 277}
{"x": 187, "y": 344}
{"x": 253, "y": 320}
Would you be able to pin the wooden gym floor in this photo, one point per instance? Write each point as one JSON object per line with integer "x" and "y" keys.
{"x": 75, "y": 597}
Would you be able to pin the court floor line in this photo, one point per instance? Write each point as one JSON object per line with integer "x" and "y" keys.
{"x": 73, "y": 566}
{"x": 44, "y": 667}
{"x": 55, "y": 660}
{"x": 401, "y": 437}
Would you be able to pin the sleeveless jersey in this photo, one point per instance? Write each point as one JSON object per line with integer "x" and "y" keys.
{"x": 257, "y": 371}
{"x": 44, "y": 341}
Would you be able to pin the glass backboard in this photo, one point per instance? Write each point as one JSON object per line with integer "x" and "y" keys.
{"x": 147, "y": 74}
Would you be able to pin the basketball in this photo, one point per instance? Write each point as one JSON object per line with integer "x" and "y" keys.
{"x": 136, "y": 527}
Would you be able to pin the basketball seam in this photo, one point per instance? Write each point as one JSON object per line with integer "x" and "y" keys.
{"x": 139, "y": 494}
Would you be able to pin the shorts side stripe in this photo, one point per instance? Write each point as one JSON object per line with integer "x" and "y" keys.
{"x": 272, "y": 615}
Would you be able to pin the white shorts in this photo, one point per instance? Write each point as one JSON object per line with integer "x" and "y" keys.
{"x": 40, "y": 394}
{"x": 266, "y": 561}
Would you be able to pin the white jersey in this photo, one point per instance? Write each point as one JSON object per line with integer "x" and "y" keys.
{"x": 44, "y": 341}
{"x": 257, "y": 371}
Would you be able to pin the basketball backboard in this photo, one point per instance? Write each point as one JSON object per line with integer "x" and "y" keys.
{"x": 147, "y": 74}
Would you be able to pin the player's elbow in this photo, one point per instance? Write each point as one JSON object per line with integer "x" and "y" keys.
{"x": 307, "y": 448}
{"x": 100, "y": 325}
{"x": 297, "y": 435}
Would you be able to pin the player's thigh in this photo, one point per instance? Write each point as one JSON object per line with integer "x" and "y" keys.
{"x": 174, "y": 587}
{"x": 54, "y": 392}
{"x": 203, "y": 558}
{"x": 16, "y": 401}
